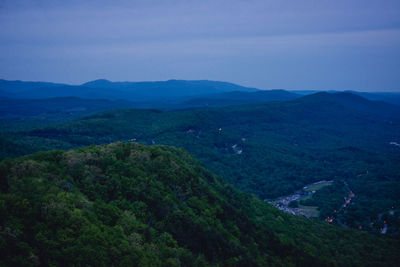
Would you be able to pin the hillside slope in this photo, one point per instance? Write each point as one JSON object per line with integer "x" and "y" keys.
{"x": 271, "y": 149}
{"x": 239, "y": 98}
{"x": 126, "y": 204}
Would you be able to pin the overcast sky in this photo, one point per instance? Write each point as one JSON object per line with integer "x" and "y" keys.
{"x": 290, "y": 44}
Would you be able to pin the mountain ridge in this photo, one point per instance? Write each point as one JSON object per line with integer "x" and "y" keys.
{"x": 171, "y": 90}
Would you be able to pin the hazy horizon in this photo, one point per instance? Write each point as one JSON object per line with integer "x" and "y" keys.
{"x": 302, "y": 45}
{"x": 298, "y": 89}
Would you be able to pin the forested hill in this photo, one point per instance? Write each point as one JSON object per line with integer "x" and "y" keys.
{"x": 126, "y": 204}
{"x": 59, "y": 107}
{"x": 270, "y": 149}
{"x": 353, "y": 102}
{"x": 238, "y": 98}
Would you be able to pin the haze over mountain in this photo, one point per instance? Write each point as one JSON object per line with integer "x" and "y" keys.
{"x": 165, "y": 94}
{"x": 133, "y": 91}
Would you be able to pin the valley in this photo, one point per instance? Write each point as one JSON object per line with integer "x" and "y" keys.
{"x": 279, "y": 151}
{"x": 270, "y": 149}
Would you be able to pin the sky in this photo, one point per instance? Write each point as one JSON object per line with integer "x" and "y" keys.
{"x": 302, "y": 44}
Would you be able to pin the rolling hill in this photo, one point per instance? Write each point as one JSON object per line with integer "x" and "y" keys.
{"x": 63, "y": 105}
{"x": 388, "y": 97}
{"x": 270, "y": 149}
{"x": 239, "y": 98}
{"x": 134, "y": 205}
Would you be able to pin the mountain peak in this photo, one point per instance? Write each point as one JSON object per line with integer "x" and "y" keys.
{"x": 98, "y": 82}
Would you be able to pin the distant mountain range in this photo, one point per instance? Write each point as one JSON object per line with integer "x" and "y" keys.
{"x": 172, "y": 90}
{"x": 169, "y": 94}
{"x": 73, "y": 101}
{"x": 35, "y": 98}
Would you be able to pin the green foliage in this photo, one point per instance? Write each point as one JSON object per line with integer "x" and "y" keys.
{"x": 294, "y": 204}
{"x": 287, "y": 146}
{"x": 126, "y": 204}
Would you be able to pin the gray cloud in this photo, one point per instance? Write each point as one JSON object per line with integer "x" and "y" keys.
{"x": 267, "y": 44}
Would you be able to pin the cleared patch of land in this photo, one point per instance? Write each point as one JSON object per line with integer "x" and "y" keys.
{"x": 305, "y": 193}
{"x": 311, "y": 210}
{"x": 317, "y": 186}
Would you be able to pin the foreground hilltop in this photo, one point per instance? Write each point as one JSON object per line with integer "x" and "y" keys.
{"x": 128, "y": 204}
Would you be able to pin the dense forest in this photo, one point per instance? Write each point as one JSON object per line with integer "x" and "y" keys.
{"x": 269, "y": 149}
{"x": 200, "y": 133}
{"x": 126, "y": 204}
